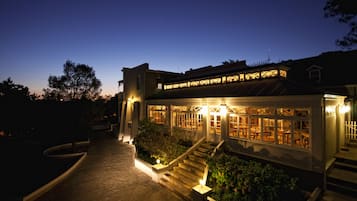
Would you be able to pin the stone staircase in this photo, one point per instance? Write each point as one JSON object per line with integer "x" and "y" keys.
{"x": 342, "y": 178}
{"x": 188, "y": 172}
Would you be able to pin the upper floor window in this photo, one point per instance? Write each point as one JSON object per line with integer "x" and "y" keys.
{"x": 314, "y": 73}
{"x": 159, "y": 85}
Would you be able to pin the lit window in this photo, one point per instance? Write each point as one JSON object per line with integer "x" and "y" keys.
{"x": 187, "y": 118}
{"x": 157, "y": 114}
{"x": 268, "y": 130}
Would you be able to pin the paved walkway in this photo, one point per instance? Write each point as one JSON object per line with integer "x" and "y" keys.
{"x": 108, "y": 174}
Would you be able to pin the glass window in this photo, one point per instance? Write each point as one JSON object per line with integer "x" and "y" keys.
{"x": 215, "y": 124}
{"x": 187, "y": 118}
{"x": 159, "y": 85}
{"x": 301, "y": 112}
{"x": 157, "y": 114}
{"x": 284, "y": 131}
{"x": 233, "y": 125}
{"x": 265, "y": 111}
{"x": 268, "y": 130}
{"x": 301, "y": 134}
{"x": 255, "y": 128}
{"x": 285, "y": 111}
{"x": 282, "y": 125}
{"x": 243, "y": 126}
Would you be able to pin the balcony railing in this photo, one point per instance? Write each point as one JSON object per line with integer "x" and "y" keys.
{"x": 350, "y": 132}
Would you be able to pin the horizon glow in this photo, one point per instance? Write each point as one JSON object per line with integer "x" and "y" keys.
{"x": 37, "y": 37}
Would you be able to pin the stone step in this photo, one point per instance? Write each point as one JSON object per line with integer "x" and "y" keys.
{"x": 197, "y": 159}
{"x": 197, "y": 171}
{"x": 185, "y": 176}
{"x": 329, "y": 195}
{"x": 174, "y": 179}
{"x": 343, "y": 178}
{"x": 201, "y": 154}
{"x": 177, "y": 187}
{"x": 204, "y": 149}
{"x": 346, "y": 157}
{"x": 345, "y": 166}
{"x": 208, "y": 145}
{"x": 188, "y": 173}
{"x": 348, "y": 191}
{"x": 182, "y": 178}
{"x": 195, "y": 164}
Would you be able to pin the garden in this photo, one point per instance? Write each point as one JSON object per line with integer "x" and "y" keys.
{"x": 233, "y": 178}
{"x": 154, "y": 142}
{"x": 229, "y": 176}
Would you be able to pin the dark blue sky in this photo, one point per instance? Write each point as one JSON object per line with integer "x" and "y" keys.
{"x": 37, "y": 37}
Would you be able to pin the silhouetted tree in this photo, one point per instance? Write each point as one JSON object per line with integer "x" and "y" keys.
{"x": 78, "y": 82}
{"x": 13, "y": 92}
{"x": 14, "y": 102}
{"x": 346, "y": 11}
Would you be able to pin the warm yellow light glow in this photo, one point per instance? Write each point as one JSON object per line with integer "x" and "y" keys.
{"x": 227, "y": 79}
{"x": 215, "y": 81}
{"x": 223, "y": 110}
{"x": 131, "y": 141}
{"x": 233, "y": 78}
{"x": 131, "y": 99}
{"x": 158, "y": 161}
{"x": 283, "y": 73}
{"x": 142, "y": 167}
{"x": 204, "y": 109}
{"x": 202, "y": 182}
{"x": 344, "y": 109}
{"x": 194, "y": 83}
{"x": 330, "y": 109}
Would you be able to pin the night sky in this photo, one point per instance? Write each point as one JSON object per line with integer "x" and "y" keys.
{"x": 37, "y": 37}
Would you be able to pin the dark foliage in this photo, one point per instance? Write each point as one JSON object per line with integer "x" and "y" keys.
{"x": 233, "y": 178}
{"x": 154, "y": 142}
{"x": 345, "y": 11}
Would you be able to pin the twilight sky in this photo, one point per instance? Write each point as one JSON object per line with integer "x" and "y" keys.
{"x": 38, "y": 36}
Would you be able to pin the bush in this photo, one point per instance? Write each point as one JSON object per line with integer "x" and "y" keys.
{"x": 237, "y": 179}
{"x": 154, "y": 142}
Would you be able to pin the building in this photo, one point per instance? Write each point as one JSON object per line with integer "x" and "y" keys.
{"x": 291, "y": 113}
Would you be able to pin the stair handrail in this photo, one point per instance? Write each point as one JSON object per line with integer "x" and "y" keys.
{"x": 182, "y": 156}
{"x": 205, "y": 174}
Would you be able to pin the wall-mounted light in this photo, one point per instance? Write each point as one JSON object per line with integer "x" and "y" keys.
{"x": 131, "y": 100}
{"x": 204, "y": 109}
{"x": 344, "y": 109}
{"x": 330, "y": 109}
{"x": 158, "y": 161}
{"x": 223, "y": 110}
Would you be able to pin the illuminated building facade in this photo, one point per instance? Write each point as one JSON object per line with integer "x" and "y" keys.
{"x": 258, "y": 111}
